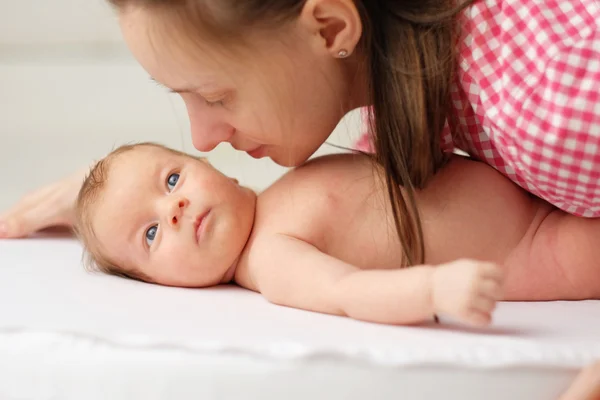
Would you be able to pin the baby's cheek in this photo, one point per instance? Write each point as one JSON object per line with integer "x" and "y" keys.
{"x": 190, "y": 262}
{"x": 172, "y": 258}
{"x": 171, "y": 272}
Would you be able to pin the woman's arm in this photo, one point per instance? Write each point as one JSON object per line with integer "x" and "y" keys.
{"x": 586, "y": 385}
{"x": 51, "y": 205}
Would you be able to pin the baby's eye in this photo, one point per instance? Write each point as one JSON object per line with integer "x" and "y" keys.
{"x": 151, "y": 234}
{"x": 172, "y": 181}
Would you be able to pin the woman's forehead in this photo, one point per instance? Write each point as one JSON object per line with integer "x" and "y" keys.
{"x": 169, "y": 53}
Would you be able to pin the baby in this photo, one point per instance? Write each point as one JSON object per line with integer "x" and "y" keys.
{"x": 322, "y": 237}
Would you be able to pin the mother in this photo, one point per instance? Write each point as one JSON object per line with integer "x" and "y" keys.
{"x": 510, "y": 83}
{"x": 507, "y": 82}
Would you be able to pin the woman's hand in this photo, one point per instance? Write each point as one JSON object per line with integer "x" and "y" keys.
{"x": 50, "y": 206}
{"x": 586, "y": 385}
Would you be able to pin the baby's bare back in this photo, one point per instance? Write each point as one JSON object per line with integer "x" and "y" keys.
{"x": 339, "y": 205}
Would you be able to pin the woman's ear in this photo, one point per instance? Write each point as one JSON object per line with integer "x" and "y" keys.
{"x": 336, "y": 24}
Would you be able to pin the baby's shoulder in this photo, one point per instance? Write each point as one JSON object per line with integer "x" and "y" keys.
{"x": 326, "y": 170}
{"x": 310, "y": 196}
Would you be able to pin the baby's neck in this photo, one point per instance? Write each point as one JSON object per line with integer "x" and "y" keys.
{"x": 237, "y": 269}
{"x": 230, "y": 274}
{"x": 238, "y": 273}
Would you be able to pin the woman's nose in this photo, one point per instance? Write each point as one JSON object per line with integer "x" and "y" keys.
{"x": 175, "y": 210}
{"x": 208, "y": 128}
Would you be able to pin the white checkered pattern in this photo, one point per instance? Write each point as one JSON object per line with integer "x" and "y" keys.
{"x": 527, "y": 96}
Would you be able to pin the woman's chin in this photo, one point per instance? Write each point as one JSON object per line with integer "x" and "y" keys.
{"x": 289, "y": 160}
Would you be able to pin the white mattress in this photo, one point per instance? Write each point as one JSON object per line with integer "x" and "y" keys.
{"x": 68, "y": 334}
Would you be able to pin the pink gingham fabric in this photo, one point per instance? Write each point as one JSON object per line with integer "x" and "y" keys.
{"x": 527, "y": 97}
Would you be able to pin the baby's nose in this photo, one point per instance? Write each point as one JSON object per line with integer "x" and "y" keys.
{"x": 177, "y": 207}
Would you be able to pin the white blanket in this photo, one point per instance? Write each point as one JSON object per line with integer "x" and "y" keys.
{"x": 82, "y": 335}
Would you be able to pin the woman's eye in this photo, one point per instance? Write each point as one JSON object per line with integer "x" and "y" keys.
{"x": 219, "y": 103}
{"x": 151, "y": 234}
{"x": 172, "y": 181}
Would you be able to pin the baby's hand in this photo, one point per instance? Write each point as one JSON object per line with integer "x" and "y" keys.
{"x": 468, "y": 290}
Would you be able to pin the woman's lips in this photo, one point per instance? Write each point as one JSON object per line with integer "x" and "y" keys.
{"x": 200, "y": 225}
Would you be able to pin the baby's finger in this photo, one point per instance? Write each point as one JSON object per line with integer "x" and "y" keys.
{"x": 493, "y": 271}
{"x": 483, "y": 304}
{"x": 491, "y": 289}
{"x": 478, "y": 318}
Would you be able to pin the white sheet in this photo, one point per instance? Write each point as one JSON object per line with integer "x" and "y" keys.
{"x": 81, "y": 335}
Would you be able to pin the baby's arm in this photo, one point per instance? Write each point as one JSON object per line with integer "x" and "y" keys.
{"x": 291, "y": 272}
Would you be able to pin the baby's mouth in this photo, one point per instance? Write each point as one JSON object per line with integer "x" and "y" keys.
{"x": 200, "y": 225}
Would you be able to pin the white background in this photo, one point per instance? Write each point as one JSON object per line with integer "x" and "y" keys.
{"x": 70, "y": 92}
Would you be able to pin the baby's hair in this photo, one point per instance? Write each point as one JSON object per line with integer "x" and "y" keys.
{"x": 90, "y": 193}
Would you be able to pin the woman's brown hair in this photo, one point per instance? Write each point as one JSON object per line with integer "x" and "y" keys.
{"x": 410, "y": 52}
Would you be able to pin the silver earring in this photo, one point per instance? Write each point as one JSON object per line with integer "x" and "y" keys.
{"x": 343, "y": 53}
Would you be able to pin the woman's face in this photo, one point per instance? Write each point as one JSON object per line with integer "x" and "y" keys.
{"x": 281, "y": 100}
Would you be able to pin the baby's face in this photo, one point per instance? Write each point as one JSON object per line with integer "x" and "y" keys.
{"x": 174, "y": 218}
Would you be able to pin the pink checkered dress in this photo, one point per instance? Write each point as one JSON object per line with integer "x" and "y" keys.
{"x": 527, "y": 96}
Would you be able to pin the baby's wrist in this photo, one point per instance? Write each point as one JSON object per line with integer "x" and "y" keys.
{"x": 439, "y": 283}
{"x": 433, "y": 277}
